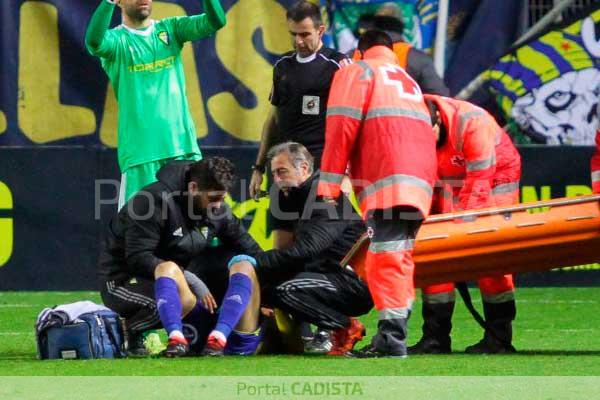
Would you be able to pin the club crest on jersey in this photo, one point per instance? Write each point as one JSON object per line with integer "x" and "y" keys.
{"x": 164, "y": 37}
{"x": 458, "y": 161}
{"x": 204, "y": 231}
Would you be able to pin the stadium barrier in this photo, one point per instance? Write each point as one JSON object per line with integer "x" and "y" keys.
{"x": 56, "y": 201}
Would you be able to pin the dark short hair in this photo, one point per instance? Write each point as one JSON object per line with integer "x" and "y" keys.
{"x": 433, "y": 109}
{"x": 374, "y": 38}
{"x": 386, "y": 23}
{"x": 436, "y": 120}
{"x": 296, "y": 152}
{"x": 305, "y": 9}
{"x": 213, "y": 173}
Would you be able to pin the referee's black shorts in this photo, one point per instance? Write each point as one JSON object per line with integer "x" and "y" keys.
{"x": 132, "y": 299}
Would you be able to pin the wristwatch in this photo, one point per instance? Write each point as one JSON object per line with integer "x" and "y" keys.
{"x": 259, "y": 168}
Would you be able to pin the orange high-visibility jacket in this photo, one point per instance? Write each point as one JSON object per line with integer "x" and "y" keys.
{"x": 379, "y": 126}
{"x": 596, "y": 165}
{"x": 476, "y": 156}
{"x": 401, "y": 50}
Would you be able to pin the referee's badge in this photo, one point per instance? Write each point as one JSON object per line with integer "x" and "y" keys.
{"x": 310, "y": 105}
{"x": 164, "y": 37}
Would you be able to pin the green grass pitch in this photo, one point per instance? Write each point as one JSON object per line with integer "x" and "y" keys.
{"x": 557, "y": 332}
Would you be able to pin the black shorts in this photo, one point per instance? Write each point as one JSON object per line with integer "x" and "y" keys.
{"x": 132, "y": 299}
{"x": 326, "y": 300}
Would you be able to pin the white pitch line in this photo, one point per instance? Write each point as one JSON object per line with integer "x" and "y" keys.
{"x": 16, "y": 333}
{"x": 22, "y": 305}
{"x": 559, "y": 330}
{"x": 556, "y": 301}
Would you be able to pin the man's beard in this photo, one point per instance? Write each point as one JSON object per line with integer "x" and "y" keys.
{"x": 138, "y": 14}
{"x": 194, "y": 208}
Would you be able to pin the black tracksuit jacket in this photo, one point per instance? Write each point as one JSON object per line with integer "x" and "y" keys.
{"x": 155, "y": 226}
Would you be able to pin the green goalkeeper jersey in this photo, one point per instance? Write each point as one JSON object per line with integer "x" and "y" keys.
{"x": 146, "y": 72}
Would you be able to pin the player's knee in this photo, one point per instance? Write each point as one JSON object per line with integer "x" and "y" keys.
{"x": 243, "y": 267}
{"x": 188, "y": 302}
{"x": 167, "y": 269}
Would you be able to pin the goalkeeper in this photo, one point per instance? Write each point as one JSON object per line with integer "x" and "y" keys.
{"x": 142, "y": 58}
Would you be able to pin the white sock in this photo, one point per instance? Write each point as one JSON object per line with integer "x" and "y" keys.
{"x": 219, "y": 335}
{"x": 176, "y": 334}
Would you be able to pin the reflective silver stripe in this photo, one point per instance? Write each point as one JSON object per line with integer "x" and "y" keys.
{"x": 349, "y": 112}
{"x": 393, "y": 313}
{"x": 330, "y": 177}
{"x": 481, "y": 165}
{"x": 393, "y": 180}
{"x": 368, "y": 71}
{"x": 391, "y": 246}
{"x": 595, "y": 176}
{"x": 505, "y": 188}
{"x": 499, "y": 298}
{"x": 462, "y": 120}
{"x": 439, "y": 298}
{"x": 397, "y": 112}
{"x": 446, "y": 194}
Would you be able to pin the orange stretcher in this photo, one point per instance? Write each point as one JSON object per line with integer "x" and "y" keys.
{"x": 526, "y": 237}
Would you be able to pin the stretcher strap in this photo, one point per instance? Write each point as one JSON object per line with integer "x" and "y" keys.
{"x": 463, "y": 290}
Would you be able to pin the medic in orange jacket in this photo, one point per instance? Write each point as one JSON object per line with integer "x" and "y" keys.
{"x": 596, "y": 165}
{"x": 478, "y": 167}
{"x": 379, "y": 127}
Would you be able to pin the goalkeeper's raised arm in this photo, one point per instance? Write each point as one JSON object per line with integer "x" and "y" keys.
{"x": 98, "y": 27}
{"x": 199, "y": 26}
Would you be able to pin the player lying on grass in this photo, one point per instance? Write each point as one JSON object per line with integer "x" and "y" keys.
{"x": 166, "y": 228}
{"x": 304, "y": 277}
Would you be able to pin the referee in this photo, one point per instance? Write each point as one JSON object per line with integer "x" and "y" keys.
{"x": 301, "y": 81}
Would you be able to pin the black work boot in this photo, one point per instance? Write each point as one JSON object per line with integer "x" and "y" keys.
{"x": 437, "y": 324}
{"x": 389, "y": 341}
{"x": 498, "y": 338}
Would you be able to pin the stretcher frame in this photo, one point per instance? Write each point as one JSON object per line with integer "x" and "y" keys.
{"x": 528, "y": 237}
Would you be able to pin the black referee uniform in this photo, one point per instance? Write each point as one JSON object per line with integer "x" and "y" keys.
{"x": 300, "y": 93}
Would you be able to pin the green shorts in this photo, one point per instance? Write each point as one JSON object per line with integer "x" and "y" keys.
{"x": 138, "y": 176}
